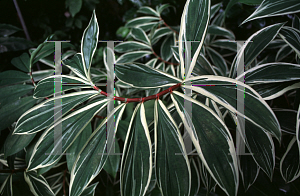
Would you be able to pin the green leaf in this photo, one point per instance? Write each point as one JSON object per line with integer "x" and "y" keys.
{"x": 15, "y": 143}
{"x": 6, "y": 188}
{"x": 39, "y": 75}
{"x": 131, "y": 46}
{"x": 45, "y": 87}
{"x": 215, "y": 147}
{"x": 247, "y": 2}
{"x": 254, "y": 45}
{"x": 22, "y": 62}
{"x": 220, "y": 31}
{"x": 270, "y": 8}
{"x": 92, "y": 157}
{"x": 8, "y": 44}
{"x": 9, "y": 94}
{"x": 7, "y": 29}
{"x": 159, "y": 33}
{"x": 42, "y": 115}
{"x": 147, "y": 26}
{"x": 74, "y": 6}
{"x": 161, "y": 8}
{"x": 195, "y": 178}
{"x": 215, "y": 9}
{"x": 194, "y": 23}
{"x": 112, "y": 163}
{"x": 249, "y": 170}
{"x": 217, "y": 60}
{"x": 90, "y": 190}
{"x": 136, "y": 165}
{"x": 203, "y": 67}
{"x": 165, "y": 49}
{"x": 296, "y": 22}
{"x": 38, "y": 184}
{"x": 148, "y": 10}
{"x": 287, "y": 120}
{"x": 224, "y": 43}
{"x": 224, "y": 92}
{"x": 292, "y": 37}
{"x": 77, "y": 145}
{"x": 132, "y": 56}
{"x": 89, "y": 44}
{"x": 171, "y": 162}
{"x": 11, "y": 112}
{"x": 271, "y": 73}
{"x": 141, "y": 20}
{"x": 144, "y": 76}
{"x": 76, "y": 65}
{"x": 48, "y": 150}
{"x": 13, "y": 77}
{"x": 139, "y": 34}
{"x": 283, "y": 53}
{"x": 290, "y": 162}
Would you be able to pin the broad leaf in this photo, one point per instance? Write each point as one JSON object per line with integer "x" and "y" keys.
{"x": 136, "y": 164}
{"x": 22, "y": 62}
{"x": 171, "y": 162}
{"x": 249, "y": 169}
{"x": 144, "y": 76}
{"x": 76, "y": 65}
{"x": 10, "y": 94}
{"x": 148, "y": 10}
{"x": 139, "y": 34}
{"x": 11, "y": 112}
{"x": 141, "y": 20}
{"x": 165, "y": 49}
{"x": 13, "y": 77}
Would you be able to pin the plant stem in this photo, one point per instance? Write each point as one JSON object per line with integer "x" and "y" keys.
{"x": 169, "y": 26}
{"x": 142, "y": 99}
{"x": 12, "y": 170}
{"x": 22, "y": 20}
{"x": 64, "y": 182}
{"x": 167, "y": 62}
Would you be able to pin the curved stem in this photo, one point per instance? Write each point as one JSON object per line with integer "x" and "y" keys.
{"x": 169, "y": 26}
{"x": 32, "y": 80}
{"x": 167, "y": 62}
{"x": 142, "y": 99}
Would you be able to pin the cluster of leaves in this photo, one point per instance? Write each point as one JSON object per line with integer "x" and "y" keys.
{"x": 156, "y": 117}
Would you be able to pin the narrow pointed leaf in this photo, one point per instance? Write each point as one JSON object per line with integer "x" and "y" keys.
{"x": 13, "y": 77}
{"x": 90, "y": 190}
{"x": 290, "y": 162}
{"x": 270, "y": 8}
{"x": 254, "y": 45}
{"x": 38, "y": 184}
{"x": 194, "y": 23}
{"x": 136, "y": 164}
{"x": 132, "y": 56}
{"x": 249, "y": 170}
{"x": 76, "y": 65}
{"x": 131, "y": 46}
{"x": 140, "y": 35}
{"x": 148, "y": 10}
{"x": 217, "y": 60}
{"x": 9, "y": 94}
{"x": 224, "y": 92}
{"x": 89, "y": 44}
{"x": 212, "y": 141}
{"x": 92, "y": 157}
{"x": 6, "y": 187}
{"x": 165, "y": 50}
{"x": 171, "y": 162}
{"x": 45, "y": 87}
{"x": 48, "y": 149}
{"x": 42, "y": 115}
{"x": 220, "y": 31}
{"x": 141, "y": 20}
{"x": 292, "y": 37}
{"x": 144, "y": 76}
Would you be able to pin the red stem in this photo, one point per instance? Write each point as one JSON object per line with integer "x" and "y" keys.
{"x": 169, "y": 26}
{"x": 167, "y": 62}
{"x": 142, "y": 99}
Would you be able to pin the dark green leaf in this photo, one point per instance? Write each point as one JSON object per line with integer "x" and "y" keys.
{"x": 144, "y": 76}
{"x": 132, "y": 56}
{"x": 165, "y": 49}
{"x": 76, "y": 65}
{"x": 8, "y": 44}
{"x": 22, "y": 62}
{"x": 13, "y": 77}
{"x": 220, "y": 31}
{"x": 217, "y": 60}
{"x": 38, "y": 184}
{"x": 171, "y": 162}
{"x": 7, "y": 29}
{"x": 74, "y": 6}
{"x": 148, "y": 10}
{"x": 141, "y": 20}
{"x": 270, "y": 8}
{"x": 9, "y": 94}
{"x": 90, "y": 190}
{"x": 131, "y": 46}
{"x": 112, "y": 163}
{"x": 292, "y": 37}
